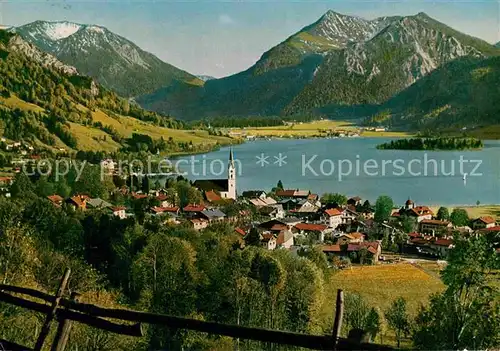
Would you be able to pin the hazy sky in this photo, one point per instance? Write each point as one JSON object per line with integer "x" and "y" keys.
{"x": 219, "y": 38}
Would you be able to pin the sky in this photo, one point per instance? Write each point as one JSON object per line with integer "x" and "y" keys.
{"x": 219, "y": 38}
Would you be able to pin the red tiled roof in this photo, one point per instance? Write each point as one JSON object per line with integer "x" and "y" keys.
{"x": 331, "y": 248}
{"x": 333, "y": 212}
{"x": 285, "y": 193}
{"x": 435, "y": 222}
{"x": 118, "y": 208}
{"x": 139, "y": 196}
{"x": 414, "y": 235}
{"x": 55, "y": 198}
{"x": 372, "y": 250}
{"x": 486, "y": 219}
{"x": 162, "y": 197}
{"x": 422, "y": 211}
{"x": 193, "y": 208}
{"x": 278, "y": 226}
{"x": 171, "y": 209}
{"x": 366, "y": 244}
{"x": 78, "y": 200}
{"x": 5, "y": 179}
{"x": 312, "y": 197}
{"x": 157, "y": 209}
{"x": 240, "y": 231}
{"x": 311, "y": 227}
{"x": 492, "y": 229}
{"x": 443, "y": 242}
{"x": 267, "y": 237}
{"x": 357, "y": 235}
{"x": 212, "y": 196}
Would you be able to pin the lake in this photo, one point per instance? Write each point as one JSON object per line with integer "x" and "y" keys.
{"x": 354, "y": 167}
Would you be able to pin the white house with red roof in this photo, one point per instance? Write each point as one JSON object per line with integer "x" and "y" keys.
{"x": 332, "y": 217}
{"x": 484, "y": 222}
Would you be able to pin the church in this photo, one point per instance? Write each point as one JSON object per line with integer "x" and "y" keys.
{"x": 225, "y": 187}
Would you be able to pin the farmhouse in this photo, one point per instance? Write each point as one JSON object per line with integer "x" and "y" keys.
{"x": 483, "y": 223}
{"x": 433, "y": 226}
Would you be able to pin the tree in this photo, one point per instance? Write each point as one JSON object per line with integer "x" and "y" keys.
{"x": 408, "y": 223}
{"x": 383, "y": 208}
{"x": 459, "y": 217}
{"x": 359, "y": 315}
{"x": 22, "y": 186}
{"x": 467, "y": 314}
{"x": 253, "y": 237}
{"x": 334, "y": 198}
{"x": 398, "y": 318}
{"x": 443, "y": 214}
{"x": 146, "y": 184}
{"x": 279, "y": 186}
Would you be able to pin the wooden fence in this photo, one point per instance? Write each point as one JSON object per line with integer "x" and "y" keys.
{"x": 65, "y": 311}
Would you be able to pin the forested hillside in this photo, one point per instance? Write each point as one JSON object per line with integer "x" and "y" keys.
{"x": 41, "y": 103}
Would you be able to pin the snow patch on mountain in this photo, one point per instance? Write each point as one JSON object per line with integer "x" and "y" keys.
{"x": 57, "y": 30}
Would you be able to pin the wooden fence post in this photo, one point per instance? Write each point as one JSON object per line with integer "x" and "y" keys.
{"x": 339, "y": 314}
{"x": 50, "y": 316}
{"x": 63, "y": 329}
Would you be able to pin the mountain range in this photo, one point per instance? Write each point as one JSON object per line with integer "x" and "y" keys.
{"x": 114, "y": 61}
{"x": 339, "y": 66}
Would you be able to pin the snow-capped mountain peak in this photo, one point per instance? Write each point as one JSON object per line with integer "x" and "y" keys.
{"x": 56, "y": 30}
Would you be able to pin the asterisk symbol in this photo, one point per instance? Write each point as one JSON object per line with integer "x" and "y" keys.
{"x": 262, "y": 160}
{"x": 280, "y": 159}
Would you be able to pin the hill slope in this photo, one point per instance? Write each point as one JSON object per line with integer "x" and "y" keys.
{"x": 115, "y": 62}
{"x": 462, "y": 93}
{"x": 45, "y": 102}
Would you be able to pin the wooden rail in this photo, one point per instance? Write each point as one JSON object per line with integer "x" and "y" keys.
{"x": 65, "y": 310}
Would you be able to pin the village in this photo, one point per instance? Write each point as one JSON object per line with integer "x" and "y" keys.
{"x": 345, "y": 229}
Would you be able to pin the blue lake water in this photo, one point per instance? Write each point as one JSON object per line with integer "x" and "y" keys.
{"x": 353, "y": 166}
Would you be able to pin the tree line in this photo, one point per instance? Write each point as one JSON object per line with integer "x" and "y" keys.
{"x": 432, "y": 144}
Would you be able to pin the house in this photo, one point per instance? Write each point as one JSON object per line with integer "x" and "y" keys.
{"x": 293, "y": 194}
{"x": 305, "y": 207}
{"x": 284, "y": 239}
{"x": 374, "y": 249}
{"x": 119, "y": 211}
{"x": 330, "y": 250}
{"x": 225, "y": 187}
{"x": 98, "y": 203}
{"x": 6, "y": 181}
{"x": 254, "y": 194}
{"x": 313, "y": 197}
{"x": 351, "y": 238}
{"x": 213, "y": 215}
{"x": 483, "y": 223}
{"x": 212, "y": 197}
{"x": 442, "y": 246}
{"x": 318, "y": 230}
{"x": 268, "y": 241}
{"x": 199, "y": 224}
{"x": 193, "y": 209}
{"x": 421, "y": 213}
{"x": 259, "y": 202}
{"x": 164, "y": 200}
{"x": 354, "y": 201}
{"x": 332, "y": 217}
{"x": 433, "y": 226}
{"x": 138, "y": 196}
{"x": 78, "y": 202}
{"x": 56, "y": 200}
{"x": 273, "y": 211}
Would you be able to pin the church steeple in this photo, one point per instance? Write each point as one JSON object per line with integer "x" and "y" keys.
{"x": 231, "y": 176}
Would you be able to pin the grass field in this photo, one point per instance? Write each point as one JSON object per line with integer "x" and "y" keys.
{"x": 477, "y": 211}
{"x": 310, "y": 129}
{"x": 379, "y": 285}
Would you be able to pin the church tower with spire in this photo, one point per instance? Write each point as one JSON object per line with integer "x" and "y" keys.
{"x": 231, "y": 177}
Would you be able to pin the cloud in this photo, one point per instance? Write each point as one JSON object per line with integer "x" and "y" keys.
{"x": 225, "y": 19}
